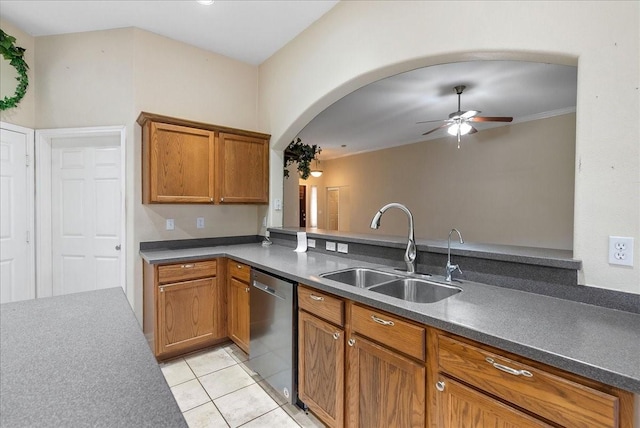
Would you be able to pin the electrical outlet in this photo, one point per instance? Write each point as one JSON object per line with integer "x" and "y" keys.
{"x": 621, "y": 250}
{"x": 170, "y": 224}
{"x": 311, "y": 243}
{"x": 200, "y": 222}
{"x": 331, "y": 246}
{"x": 343, "y": 248}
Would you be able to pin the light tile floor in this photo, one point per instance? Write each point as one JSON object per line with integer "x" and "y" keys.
{"x": 215, "y": 388}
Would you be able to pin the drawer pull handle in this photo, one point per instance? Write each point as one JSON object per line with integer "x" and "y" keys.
{"x": 336, "y": 335}
{"x": 351, "y": 342}
{"x": 381, "y": 321}
{"x": 317, "y": 298}
{"x": 189, "y": 266}
{"x": 507, "y": 369}
{"x": 440, "y": 386}
{"x": 239, "y": 266}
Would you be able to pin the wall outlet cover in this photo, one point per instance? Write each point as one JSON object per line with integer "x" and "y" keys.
{"x": 200, "y": 222}
{"x": 170, "y": 224}
{"x": 343, "y": 248}
{"x": 331, "y": 246}
{"x": 311, "y": 243}
{"x": 621, "y": 250}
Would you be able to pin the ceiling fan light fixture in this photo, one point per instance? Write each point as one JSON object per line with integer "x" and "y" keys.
{"x": 205, "y": 2}
{"x": 459, "y": 129}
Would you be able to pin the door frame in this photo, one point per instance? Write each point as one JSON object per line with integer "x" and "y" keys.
{"x": 31, "y": 195}
{"x": 44, "y": 138}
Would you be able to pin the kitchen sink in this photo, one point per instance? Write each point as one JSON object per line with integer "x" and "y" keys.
{"x": 403, "y": 287}
{"x": 416, "y": 290}
{"x": 360, "y": 277}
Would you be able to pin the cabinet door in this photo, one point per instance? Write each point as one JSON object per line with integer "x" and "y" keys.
{"x": 239, "y": 313}
{"x": 182, "y": 163}
{"x": 186, "y": 314}
{"x": 321, "y": 368}
{"x": 463, "y": 407}
{"x": 243, "y": 169}
{"x": 384, "y": 388}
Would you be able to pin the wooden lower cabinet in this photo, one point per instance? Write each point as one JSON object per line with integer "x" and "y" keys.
{"x": 238, "y": 290}
{"x": 384, "y": 389}
{"x": 184, "y": 307}
{"x": 464, "y": 407}
{"x": 239, "y": 313}
{"x": 185, "y": 314}
{"x": 321, "y": 368}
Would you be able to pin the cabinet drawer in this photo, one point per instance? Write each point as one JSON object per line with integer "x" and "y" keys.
{"x": 389, "y": 330}
{"x": 186, "y": 270}
{"x": 321, "y": 305}
{"x": 557, "y": 399}
{"x": 239, "y": 270}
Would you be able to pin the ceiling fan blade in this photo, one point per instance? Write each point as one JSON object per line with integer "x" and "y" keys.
{"x": 473, "y": 130}
{"x": 490, "y": 119}
{"x": 444, "y": 125}
{"x": 469, "y": 114}
{"x": 432, "y": 121}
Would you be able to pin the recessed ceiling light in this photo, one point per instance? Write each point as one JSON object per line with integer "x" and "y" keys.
{"x": 205, "y": 2}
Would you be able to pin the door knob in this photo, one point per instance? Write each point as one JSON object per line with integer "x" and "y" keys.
{"x": 118, "y": 247}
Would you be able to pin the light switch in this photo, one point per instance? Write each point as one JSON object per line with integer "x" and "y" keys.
{"x": 200, "y": 222}
{"x": 170, "y": 224}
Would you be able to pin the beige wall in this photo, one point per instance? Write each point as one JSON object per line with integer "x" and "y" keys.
{"x": 108, "y": 77}
{"x": 24, "y": 114}
{"x": 511, "y": 185}
{"x": 359, "y": 42}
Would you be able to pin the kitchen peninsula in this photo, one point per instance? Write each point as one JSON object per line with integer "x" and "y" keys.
{"x": 80, "y": 360}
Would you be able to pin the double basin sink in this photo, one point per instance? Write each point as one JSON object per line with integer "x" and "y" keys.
{"x": 404, "y": 287}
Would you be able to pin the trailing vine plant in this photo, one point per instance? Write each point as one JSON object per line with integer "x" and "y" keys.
{"x": 15, "y": 55}
{"x": 301, "y": 153}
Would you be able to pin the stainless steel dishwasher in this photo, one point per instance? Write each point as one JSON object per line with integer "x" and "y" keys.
{"x": 273, "y": 331}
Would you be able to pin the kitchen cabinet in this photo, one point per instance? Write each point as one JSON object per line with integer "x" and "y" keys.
{"x": 243, "y": 169}
{"x": 471, "y": 381}
{"x": 186, "y": 162}
{"x": 183, "y": 307}
{"x": 321, "y": 350}
{"x": 386, "y": 376}
{"x": 238, "y": 283}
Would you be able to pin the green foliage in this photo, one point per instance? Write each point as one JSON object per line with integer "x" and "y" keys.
{"x": 301, "y": 153}
{"x": 15, "y": 56}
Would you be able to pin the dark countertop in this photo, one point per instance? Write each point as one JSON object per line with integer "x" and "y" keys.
{"x": 598, "y": 343}
{"x": 509, "y": 253}
{"x": 80, "y": 360}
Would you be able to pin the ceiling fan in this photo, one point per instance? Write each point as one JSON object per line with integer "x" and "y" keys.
{"x": 458, "y": 122}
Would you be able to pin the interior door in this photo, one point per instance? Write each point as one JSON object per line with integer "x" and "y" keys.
{"x": 16, "y": 214}
{"x": 85, "y": 214}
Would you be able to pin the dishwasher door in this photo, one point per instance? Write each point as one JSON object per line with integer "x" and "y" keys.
{"x": 272, "y": 338}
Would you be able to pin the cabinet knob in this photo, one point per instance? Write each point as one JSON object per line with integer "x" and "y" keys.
{"x": 440, "y": 386}
{"x": 239, "y": 266}
{"x": 351, "y": 342}
{"x": 221, "y": 199}
{"x": 336, "y": 335}
{"x": 162, "y": 289}
{"x": 246, "y": 289}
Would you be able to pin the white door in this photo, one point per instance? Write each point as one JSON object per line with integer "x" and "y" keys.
{"x": 85, "y": 213}
{"x": 16, "y": 214}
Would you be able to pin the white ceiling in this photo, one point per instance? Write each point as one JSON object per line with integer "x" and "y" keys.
{"x": 379, "y": 115}
{"x": 249, "y": 31}
{"x": 384, "y": 113}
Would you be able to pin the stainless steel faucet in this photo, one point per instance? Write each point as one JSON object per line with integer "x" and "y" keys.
{"x": 451, "y": 268}
{"x": 410, "y": 253}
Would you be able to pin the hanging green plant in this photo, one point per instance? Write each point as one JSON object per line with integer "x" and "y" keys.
{"x": 301, "y": 153}
{"x": 15, "y": 55}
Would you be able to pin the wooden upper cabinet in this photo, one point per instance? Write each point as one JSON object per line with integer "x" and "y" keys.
{"x": 192, "y": 162}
